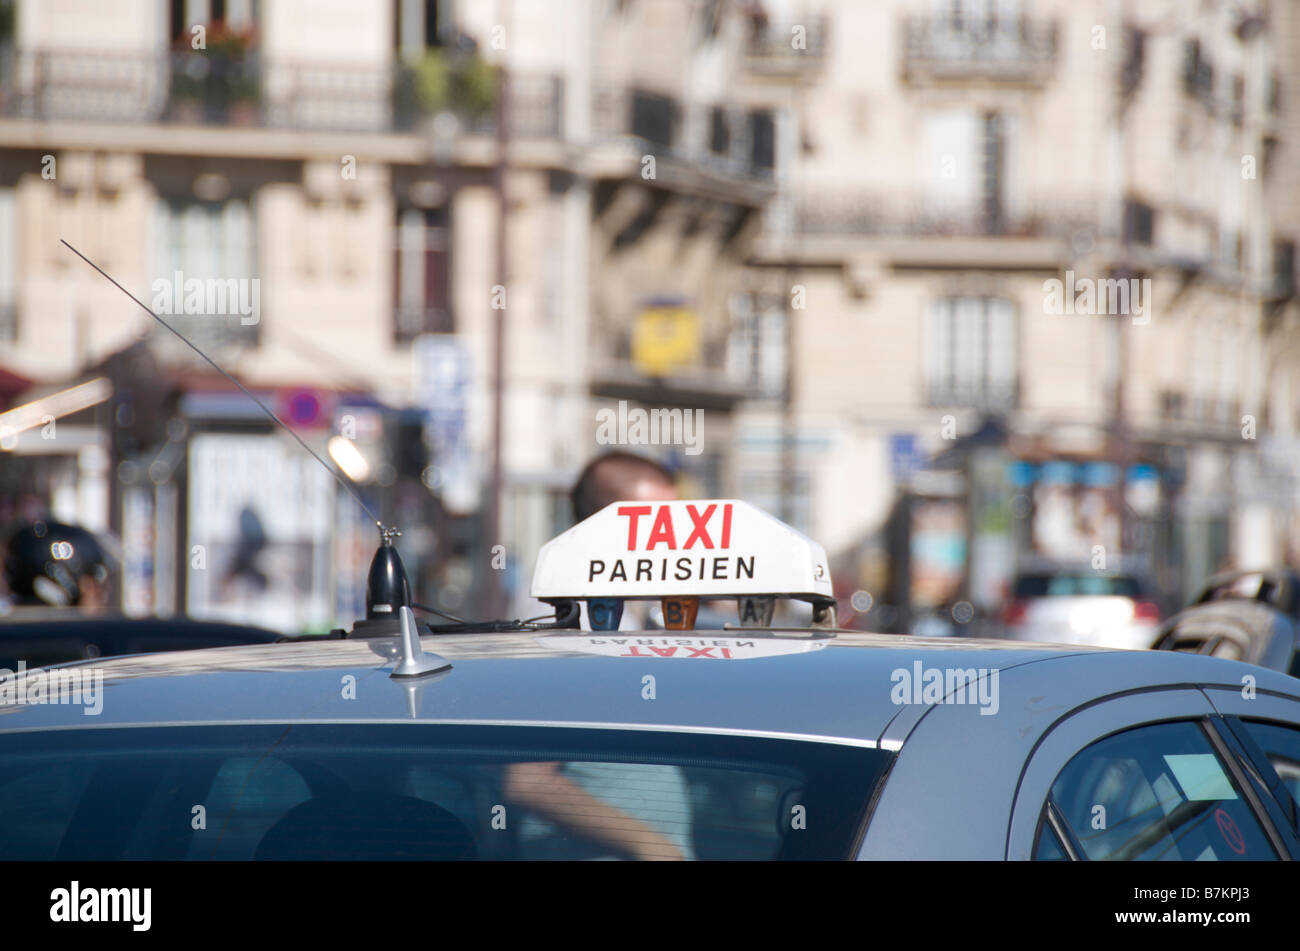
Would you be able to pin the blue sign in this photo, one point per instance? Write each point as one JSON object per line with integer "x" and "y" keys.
{"x": 905, "y": 456}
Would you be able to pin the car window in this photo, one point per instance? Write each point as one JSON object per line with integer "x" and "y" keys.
{"x": 1293, "y": 669}
{"x": 1067, "y": 584}
{"x": 420, "y": 791}
{"x": 1281, "y": 744}
{"x": 1157, "y": 792}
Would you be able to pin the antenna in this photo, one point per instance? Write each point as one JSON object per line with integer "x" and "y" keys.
{"x": 384, "y": 533}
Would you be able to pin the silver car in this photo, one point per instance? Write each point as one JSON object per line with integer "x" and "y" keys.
{"x": 1083, "y": 606}
{"x": 732, "y": 744}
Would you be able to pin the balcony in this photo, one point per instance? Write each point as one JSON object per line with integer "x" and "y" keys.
{"x": 964, "y": 48}
{"x": 786, "y": 51}
{"x": 899, "y": 214}
{"x": 989, "y": 397}
{"x": 710, "y": 381}
{"x": 189, "y": 88}
{"x": 717, "y": 141}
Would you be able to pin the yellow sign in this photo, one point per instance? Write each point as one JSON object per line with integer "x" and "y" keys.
{"x": 664, "y": 339}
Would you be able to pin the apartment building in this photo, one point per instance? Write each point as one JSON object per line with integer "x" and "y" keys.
{"x": 330, "y": 174}
{"x": 954, "y": 158}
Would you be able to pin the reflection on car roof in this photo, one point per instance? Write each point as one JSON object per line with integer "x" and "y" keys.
{"x": 841, "y": 693}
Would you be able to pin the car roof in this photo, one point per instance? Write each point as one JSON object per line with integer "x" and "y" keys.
{"x": 840, "y": 693}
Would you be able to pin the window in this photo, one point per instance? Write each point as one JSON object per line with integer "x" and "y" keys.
{"x": 1139, "y": 222}
{"x": 756, "y": 346}
{"x": 719, "y": 132}
{"x": 184, "y": 14}
{"x": 968, "y": 158}
{"x": 205, "y": 255}
{"x": 1198, "y": 73}
{"x": 428, "y": 792}
{"x": 762, "y": 140}
{"x": 1281, "y": 744}
{"x": 655, "y": 118}
{"x": 971, "y": 353}
{"x": 416, "y": 26}
{"x": 422, "y": 273}
{"x": 1157, "y": 792}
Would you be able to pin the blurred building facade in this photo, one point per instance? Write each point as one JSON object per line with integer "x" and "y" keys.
{"x": 340, "y": 164}
{"x": 826, "y": 226}
{"x": 953, "y": 416}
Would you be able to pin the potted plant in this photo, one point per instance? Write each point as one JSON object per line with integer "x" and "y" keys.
{"x": 460, "y": 83}
{"x": 219, "y": 81}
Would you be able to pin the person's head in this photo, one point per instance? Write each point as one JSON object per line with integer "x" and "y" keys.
{"x": 620, "y": 476}
{"x": 59, "y": 565}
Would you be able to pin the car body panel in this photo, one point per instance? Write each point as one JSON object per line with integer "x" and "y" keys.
{"x": 952, "y": 744}
{"x": 842, "y": 692}
{"x": 959, "y": 787}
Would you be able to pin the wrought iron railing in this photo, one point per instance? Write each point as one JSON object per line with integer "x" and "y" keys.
{"x": 190, "y": 87}
{"x": 894, "y": 212}
{"x": 954, "y": 47}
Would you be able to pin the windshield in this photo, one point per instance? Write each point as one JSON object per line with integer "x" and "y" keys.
{"x": 408, "y": 791}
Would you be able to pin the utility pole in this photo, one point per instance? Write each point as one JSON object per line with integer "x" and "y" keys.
{"x": 495, "y": 594}
{"x": 1119, "y": 437}
{"x": 788, "y": 433}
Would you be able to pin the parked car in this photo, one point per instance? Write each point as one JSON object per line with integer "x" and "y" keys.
{"x": 1077, "y": 604}
{"x": 1252, "y": 616}
{"x": 38, "y": 643}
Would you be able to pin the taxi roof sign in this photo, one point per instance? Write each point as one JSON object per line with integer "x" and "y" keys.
{"x": 714, "y": 548}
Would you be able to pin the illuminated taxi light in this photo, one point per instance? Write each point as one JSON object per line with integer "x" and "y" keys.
{"x": 714, "y": 548}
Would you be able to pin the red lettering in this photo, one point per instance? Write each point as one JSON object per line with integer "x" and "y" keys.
{"x": 633, "y": 512}
{"x": 726, "y": 526}
{"x": 701, "y": 652}
{"x": 700, "y": 525}
{"x": 664, "y": 651}
{"x": 662, "y": 530}
{"x": 633, "y": 652}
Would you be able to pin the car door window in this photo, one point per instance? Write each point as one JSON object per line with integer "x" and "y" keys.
{"x": 1157, "y": 792}
{"x": 1281, "y": 744}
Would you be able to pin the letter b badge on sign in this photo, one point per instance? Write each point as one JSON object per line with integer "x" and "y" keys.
{"x": 679, "y": 613}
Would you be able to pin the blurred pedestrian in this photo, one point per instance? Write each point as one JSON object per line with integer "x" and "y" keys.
{"x": 53, "y": 565}
{"x": 619, "y": 476}
{"x": 595, "y": 810}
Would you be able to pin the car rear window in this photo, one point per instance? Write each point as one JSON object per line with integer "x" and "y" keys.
{"x": 427, "y": 792}
{"x": 1075, "y": 585}
{"x": 1157, "y": 792}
